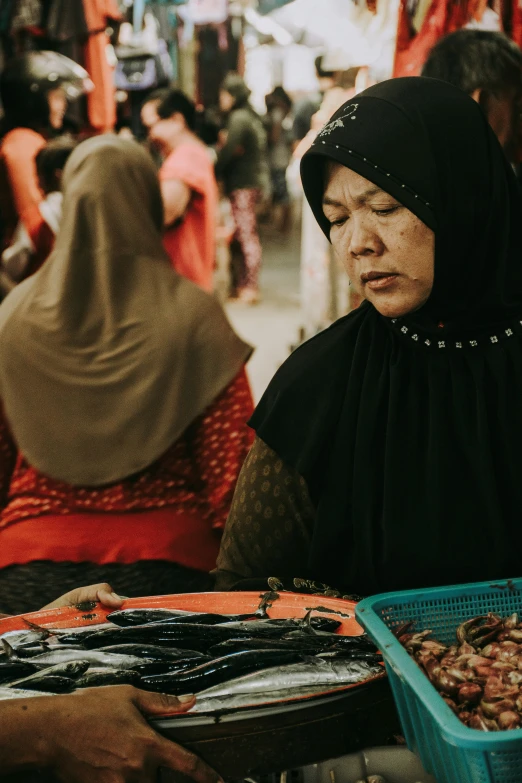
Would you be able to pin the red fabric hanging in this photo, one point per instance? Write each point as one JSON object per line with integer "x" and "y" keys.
{"x": 101, "y": 102}
{"x": 516, "y": 21}
{"x": 444, "y": 16}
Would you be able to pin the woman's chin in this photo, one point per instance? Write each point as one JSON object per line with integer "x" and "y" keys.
{"x": 395, "y": 309}
{"x": 397, "y": 306}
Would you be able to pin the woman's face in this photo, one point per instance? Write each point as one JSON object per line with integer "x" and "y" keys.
{"x": 57, "y": 107}
{"x": 387, "y": 251}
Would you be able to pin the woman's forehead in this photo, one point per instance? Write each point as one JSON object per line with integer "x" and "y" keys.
{"x": 342, "y": 183}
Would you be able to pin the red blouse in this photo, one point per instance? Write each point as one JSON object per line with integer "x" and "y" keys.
{"x": 169, "y": 511}
{"x": 20, "y": 192}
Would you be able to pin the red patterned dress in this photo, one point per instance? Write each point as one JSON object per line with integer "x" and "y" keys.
{"x": 157, "y": 531}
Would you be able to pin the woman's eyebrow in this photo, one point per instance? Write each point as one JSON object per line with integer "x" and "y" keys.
{"x": 361, "y": 198}
{"x": 331, "y": 202}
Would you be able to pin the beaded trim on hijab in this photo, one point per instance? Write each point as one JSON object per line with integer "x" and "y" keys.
{"x": 412, "y": 333}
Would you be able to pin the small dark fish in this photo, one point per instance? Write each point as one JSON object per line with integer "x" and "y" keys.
{"x": 307, "y": 646}
{"x": 71, "y": 670}
{"x": 29, "y": 649}
{"x": 96, "y": 657}
{"x": 267, "y": 600}
{"x": 334, "y": 640}
{"x": 310, "y": 625}
{"x": 316, "y": 623}
{"x": 23, "y": 650}
{"x": 73, "y": 639}
{"x": 12, "y": 670}
{"x": 268, "y": 629}
{"x": 44, "y": 633}
{"x": 151, "y": 651}
{"x": 207, "y": 619}
{"x": 16, "y": 638}
{"x": 188, "y": 636}
{"x": 353, "y": 655}
{"x": 49, "y": 684}
{"x": 362, "y": 642}
{"x": 137, "y": 634}
{"x": 97, "y": 678}
{"x": 150, "y": 668}
{"x": 325, "y": 624}
{"x": 132, "y": 617}
{"x": 218, "y": 671}
{"x": 127, "y": 617}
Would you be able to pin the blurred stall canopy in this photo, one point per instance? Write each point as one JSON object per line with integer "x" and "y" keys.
{"x": 349, "y": 33}
{"x": 205, "y": 11}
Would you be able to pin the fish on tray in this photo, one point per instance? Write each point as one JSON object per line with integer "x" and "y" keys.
{"x": 97, "y": 677}
{"x": 228, "y": 660}
{"x": 307, "y": 678}
{"x": 129, "y": 617}
{"x": 57, "y": 656}
{"x": 218, "y": 671}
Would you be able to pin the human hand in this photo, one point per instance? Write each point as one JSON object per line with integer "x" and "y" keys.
{"x": 101, "y": 593}
{"x": 100, "y": 735}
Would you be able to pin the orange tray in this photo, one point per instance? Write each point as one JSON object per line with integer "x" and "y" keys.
{"x": 287, "y": 605}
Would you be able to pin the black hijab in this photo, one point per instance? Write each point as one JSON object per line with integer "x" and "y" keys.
{"x": 409, "y": 431}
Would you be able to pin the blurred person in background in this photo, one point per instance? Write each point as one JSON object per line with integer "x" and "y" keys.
{"x": 242, "y": 167}
{"x": 325, "y": 293}
{"x": 34, "y": 91}
{"x": 17, "y": 259}
{"x": 125, "y": 414}
{"x": 188, "y": 185}
{"x": 279, "y": 132}
{"x": 488, "y": 66}
{"x": 305, "y": 109}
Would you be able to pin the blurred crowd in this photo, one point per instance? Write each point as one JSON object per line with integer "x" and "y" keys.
{"x": 222, "y": 169}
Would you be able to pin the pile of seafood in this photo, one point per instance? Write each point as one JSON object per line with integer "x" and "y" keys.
{"x": 229, "y": 661}
{"x": 480, "y": 678}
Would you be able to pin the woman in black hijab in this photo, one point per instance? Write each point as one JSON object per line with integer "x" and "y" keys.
{"x": 389, "y": 447}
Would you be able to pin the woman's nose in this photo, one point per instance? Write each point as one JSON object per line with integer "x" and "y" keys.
{"x": 363, "y": 239}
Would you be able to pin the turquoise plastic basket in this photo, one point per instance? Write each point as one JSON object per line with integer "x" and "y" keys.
{"x": 450, "y": 751}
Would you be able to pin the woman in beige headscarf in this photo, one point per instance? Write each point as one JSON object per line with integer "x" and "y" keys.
{"x": 125, "y": 400}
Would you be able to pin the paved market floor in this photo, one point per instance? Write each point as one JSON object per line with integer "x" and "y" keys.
{"x": 272, "y": 326}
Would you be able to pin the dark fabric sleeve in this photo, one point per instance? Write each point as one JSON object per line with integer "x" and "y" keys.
{"x": 269, "y": 529}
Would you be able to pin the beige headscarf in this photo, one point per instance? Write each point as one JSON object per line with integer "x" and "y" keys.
{"x": 106, "y": 354}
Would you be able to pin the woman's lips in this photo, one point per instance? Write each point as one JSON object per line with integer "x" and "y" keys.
{"x": 377, "y": 281}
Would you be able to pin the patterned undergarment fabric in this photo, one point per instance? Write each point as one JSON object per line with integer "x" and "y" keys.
{"x": 270, "y": 525}
{"x": 243, "y": 203}
{"x": 26, "y": 588}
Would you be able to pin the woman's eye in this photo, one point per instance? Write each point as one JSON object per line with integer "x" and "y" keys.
{"x": 338, "y": 221}
{"x": 385, "y": 211}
